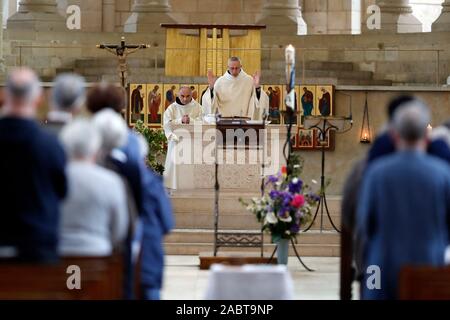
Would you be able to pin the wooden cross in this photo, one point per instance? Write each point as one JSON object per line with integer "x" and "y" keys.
{"x": 122, "y": 51}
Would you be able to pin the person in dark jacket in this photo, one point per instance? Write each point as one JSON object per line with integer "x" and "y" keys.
{"x": 32, "y": 177}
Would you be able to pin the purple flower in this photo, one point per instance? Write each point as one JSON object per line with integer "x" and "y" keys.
{"x": 314, "y": 197}
{"x": 272, "y": 180}
{"x": 274, "y": 194}
{"x": 284, "y": 212}
{"x": 295, "y": 186}
{"x": 295, "y": 228}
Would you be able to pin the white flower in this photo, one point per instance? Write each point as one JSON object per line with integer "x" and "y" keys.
{"x": 271, "y": 218}
{"x": 288, "y": 219}
{"x": 295, "y": 180}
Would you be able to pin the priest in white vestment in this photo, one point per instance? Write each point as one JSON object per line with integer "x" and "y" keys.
{"x": 235, "y": 94}
{"x": 184, "y": 110}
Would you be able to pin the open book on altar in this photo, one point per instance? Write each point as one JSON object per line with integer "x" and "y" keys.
{"x": 239, "y": 121}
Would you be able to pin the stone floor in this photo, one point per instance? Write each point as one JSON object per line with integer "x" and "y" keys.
{"x": 185, "y": 281}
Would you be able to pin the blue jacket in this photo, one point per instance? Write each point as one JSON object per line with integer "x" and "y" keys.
{"x": 403, "y": 216}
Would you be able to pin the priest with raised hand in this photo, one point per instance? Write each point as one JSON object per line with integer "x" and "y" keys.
{"x": 184, "y": 110}
{"x": 235, "y": 94}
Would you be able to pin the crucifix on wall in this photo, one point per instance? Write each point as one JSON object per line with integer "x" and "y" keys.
{"x": 122, "y": 51}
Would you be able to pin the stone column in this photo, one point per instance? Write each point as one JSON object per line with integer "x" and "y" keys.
{"x": 108, "y": 15}
{"x": 396, "y": 16}
{"x": 443, "y": 22}
{"x": 283, "y": 17}
{"x": 37, "y": 15}
{"x": 147, "y": 15}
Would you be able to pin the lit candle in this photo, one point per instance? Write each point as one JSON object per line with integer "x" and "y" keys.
{"x": 290, "y": 64}
{"x": 290, "y": 76}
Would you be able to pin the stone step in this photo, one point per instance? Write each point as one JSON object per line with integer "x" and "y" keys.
{"x": 202, "y": 201}
{"x": 363, "y": 75}
{"x": 328, "y": 65}
{"x": 304, "y": 250}
{"x": 238, "y": 221}
{"x": 112, "y": 63}
{"x": 207, "y": 236}
{"x": 361, "y": 82}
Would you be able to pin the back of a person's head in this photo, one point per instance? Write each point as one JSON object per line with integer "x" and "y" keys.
{"x": 106, "y": 96}
{"x": 69, "y": 93}
{"x": 112, "y": 128}
{"x": 397, "y": 102}
{"x": 23, "y": 88}
{"x": 81, "y": 139}
{"x": 411, "y": 121}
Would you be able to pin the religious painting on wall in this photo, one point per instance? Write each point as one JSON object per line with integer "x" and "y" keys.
{"x": 296, "y": 117}
{"x": 329, "y": 142}
{"x": 305, "y": 139}
{"x": 307, "y": 101}
{"x": 154, "y": 102}
{"x": 137, "y": 103}
{"x": 324, "y": 101}
{"x": 170, "y": 94}
{"x": 275, "y": 94}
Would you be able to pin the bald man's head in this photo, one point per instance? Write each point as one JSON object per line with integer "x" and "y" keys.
{"x": 185, "y": 95}
{"x": 22, "y": 88}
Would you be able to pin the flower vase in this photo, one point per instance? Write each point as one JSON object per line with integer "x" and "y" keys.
{"x": 283, "y": 251}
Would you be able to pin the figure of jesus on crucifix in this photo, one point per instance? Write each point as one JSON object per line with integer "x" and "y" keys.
{"x": 122, "y": 51}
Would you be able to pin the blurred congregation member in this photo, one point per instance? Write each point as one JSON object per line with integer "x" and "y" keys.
{"x": 94, "y": 217}
{"x": 67, "y": 100}
{"x": 404, "y": 206}
{"x": 384, "y": 143}
{"x": 32, "y": 177}
{"x": 152, "y": 204}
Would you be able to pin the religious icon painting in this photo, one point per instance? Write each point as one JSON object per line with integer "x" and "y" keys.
{"x": 305, "y": 139}
{"x": 307, "y": 101}
{"x": 327, "y": 142}
{"x": 194, "y": 89}
{"x": 296, "y": 116}
{"x": 170, "y": 93}
{"x": 275, "y": 94}
{"x": 154, "y": 103}
{"x": 137, "y": 103}
{"x": 294, "y": 141}
{"x": 324, "y": 101}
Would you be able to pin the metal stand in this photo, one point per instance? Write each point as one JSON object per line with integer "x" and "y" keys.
{"x": 323, "y": 200}
{"x": 324, "y": 125}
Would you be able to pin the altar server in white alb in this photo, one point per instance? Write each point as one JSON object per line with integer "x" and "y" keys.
{"x": 235, "y": 94}
{"x": 184, "y": 110}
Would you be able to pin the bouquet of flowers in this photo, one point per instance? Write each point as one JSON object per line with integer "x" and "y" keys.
{"x": 286, "y": 205}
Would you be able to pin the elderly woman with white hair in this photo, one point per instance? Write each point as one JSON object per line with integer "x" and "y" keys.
{"x": 94, "y": 216}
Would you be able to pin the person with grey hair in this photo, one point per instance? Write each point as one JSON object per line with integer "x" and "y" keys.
{"x": 32, "y": 176}
{"x": 113, "y": 131}
{"x": 235, "y": 94}
{"x": 94, "y": 217}
{"x": 404, "y": 206}
{"x": 67, "y": 99}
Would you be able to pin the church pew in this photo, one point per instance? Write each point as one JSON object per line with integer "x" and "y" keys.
{"x": 101, "y": 279}
{"x": 424, "y": 283}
